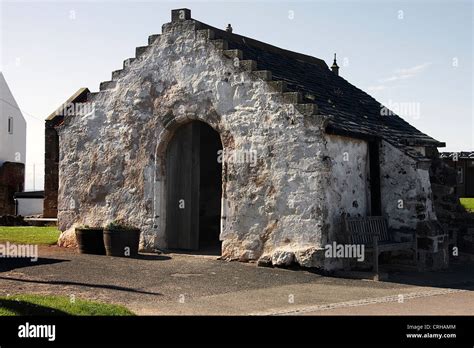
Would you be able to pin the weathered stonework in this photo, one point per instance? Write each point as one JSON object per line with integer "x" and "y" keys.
{"x": 408, "y": 202}
{"x": 455, "y": 221}
{"x": 115, "y": 166}
{"x": 406, "y": 189}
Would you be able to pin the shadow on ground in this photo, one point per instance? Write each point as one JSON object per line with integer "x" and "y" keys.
{"x": 27, "y": 308}
{"x": 207, "y": 251}
{"x": 152, "y": 257}
{"x": 9, "y": 264}
{"x": 99, "y": 286}
{"x": 459, "y": 275}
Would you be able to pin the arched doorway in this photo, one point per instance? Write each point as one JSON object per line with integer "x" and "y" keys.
{"x": 193, "y": 188}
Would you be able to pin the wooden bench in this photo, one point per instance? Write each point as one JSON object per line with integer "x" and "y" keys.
{"x": 372, "y": 231}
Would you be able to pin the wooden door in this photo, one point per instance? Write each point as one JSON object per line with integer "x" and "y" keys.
{"x": 182, "y": 178}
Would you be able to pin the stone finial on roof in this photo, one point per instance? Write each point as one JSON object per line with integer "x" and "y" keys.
{"x": 229, "y": 28}
{"x": 335, "y": 67}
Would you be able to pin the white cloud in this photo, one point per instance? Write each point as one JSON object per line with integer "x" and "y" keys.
{"x": 376, "y": 88}
{"x": 403, "y": 74}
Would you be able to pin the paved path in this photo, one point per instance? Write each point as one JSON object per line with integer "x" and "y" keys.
{"x": 191, "y": 284}
{"x": 459, "y": 302}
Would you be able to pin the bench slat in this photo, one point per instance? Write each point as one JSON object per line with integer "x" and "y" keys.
{"x": 362, "y": 231}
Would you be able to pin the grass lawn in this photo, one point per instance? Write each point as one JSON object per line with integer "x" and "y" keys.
{"x": 468, "y": 203}
{"x": 29, "y": 235}
{"x": 56, "y": 305}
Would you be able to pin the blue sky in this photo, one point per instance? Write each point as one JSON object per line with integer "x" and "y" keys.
{"x": 415, "y": 54}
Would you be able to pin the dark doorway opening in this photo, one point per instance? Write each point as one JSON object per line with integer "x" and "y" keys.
{"x": 469, "y": 179}
{"x": 194, "y": 189}
{"x": 210, "y": 188}
{"x": 375, "y": 194}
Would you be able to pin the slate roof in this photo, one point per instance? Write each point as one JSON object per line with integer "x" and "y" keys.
{"x": 354, "y": 112}
{"x": 81, "y": 94}
{"x": 469, "y": 155}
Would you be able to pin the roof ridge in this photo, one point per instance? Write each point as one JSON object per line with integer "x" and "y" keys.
{"x": 295, "y": 55}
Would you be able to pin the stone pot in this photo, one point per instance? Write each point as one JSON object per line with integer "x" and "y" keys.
{"x": 90, "y": 240}
{"x": 122, "y": 242}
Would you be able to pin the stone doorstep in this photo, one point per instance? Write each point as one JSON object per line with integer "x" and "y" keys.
{"x": 398, "y": 267}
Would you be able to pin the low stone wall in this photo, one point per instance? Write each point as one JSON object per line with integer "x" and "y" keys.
{"x": 12, "y": 220}
{"x": 456, "y": 222}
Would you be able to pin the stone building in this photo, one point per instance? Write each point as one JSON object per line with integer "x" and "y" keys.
{"x": 463, "y": 164}
{"x": 208, "y": 137}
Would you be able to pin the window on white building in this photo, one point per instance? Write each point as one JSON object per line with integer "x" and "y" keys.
{"x": 10, "y": 125}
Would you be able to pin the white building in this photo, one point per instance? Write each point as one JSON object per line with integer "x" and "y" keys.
{"x": 12, "y": 127}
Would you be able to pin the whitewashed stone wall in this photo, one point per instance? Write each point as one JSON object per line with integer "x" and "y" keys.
{"x": 112, "y": 161}
{"x": 349, "y": 190}
{"x": 406, "y": 189}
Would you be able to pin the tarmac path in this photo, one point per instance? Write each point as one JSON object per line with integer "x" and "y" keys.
{"x": 175, "y": 284}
